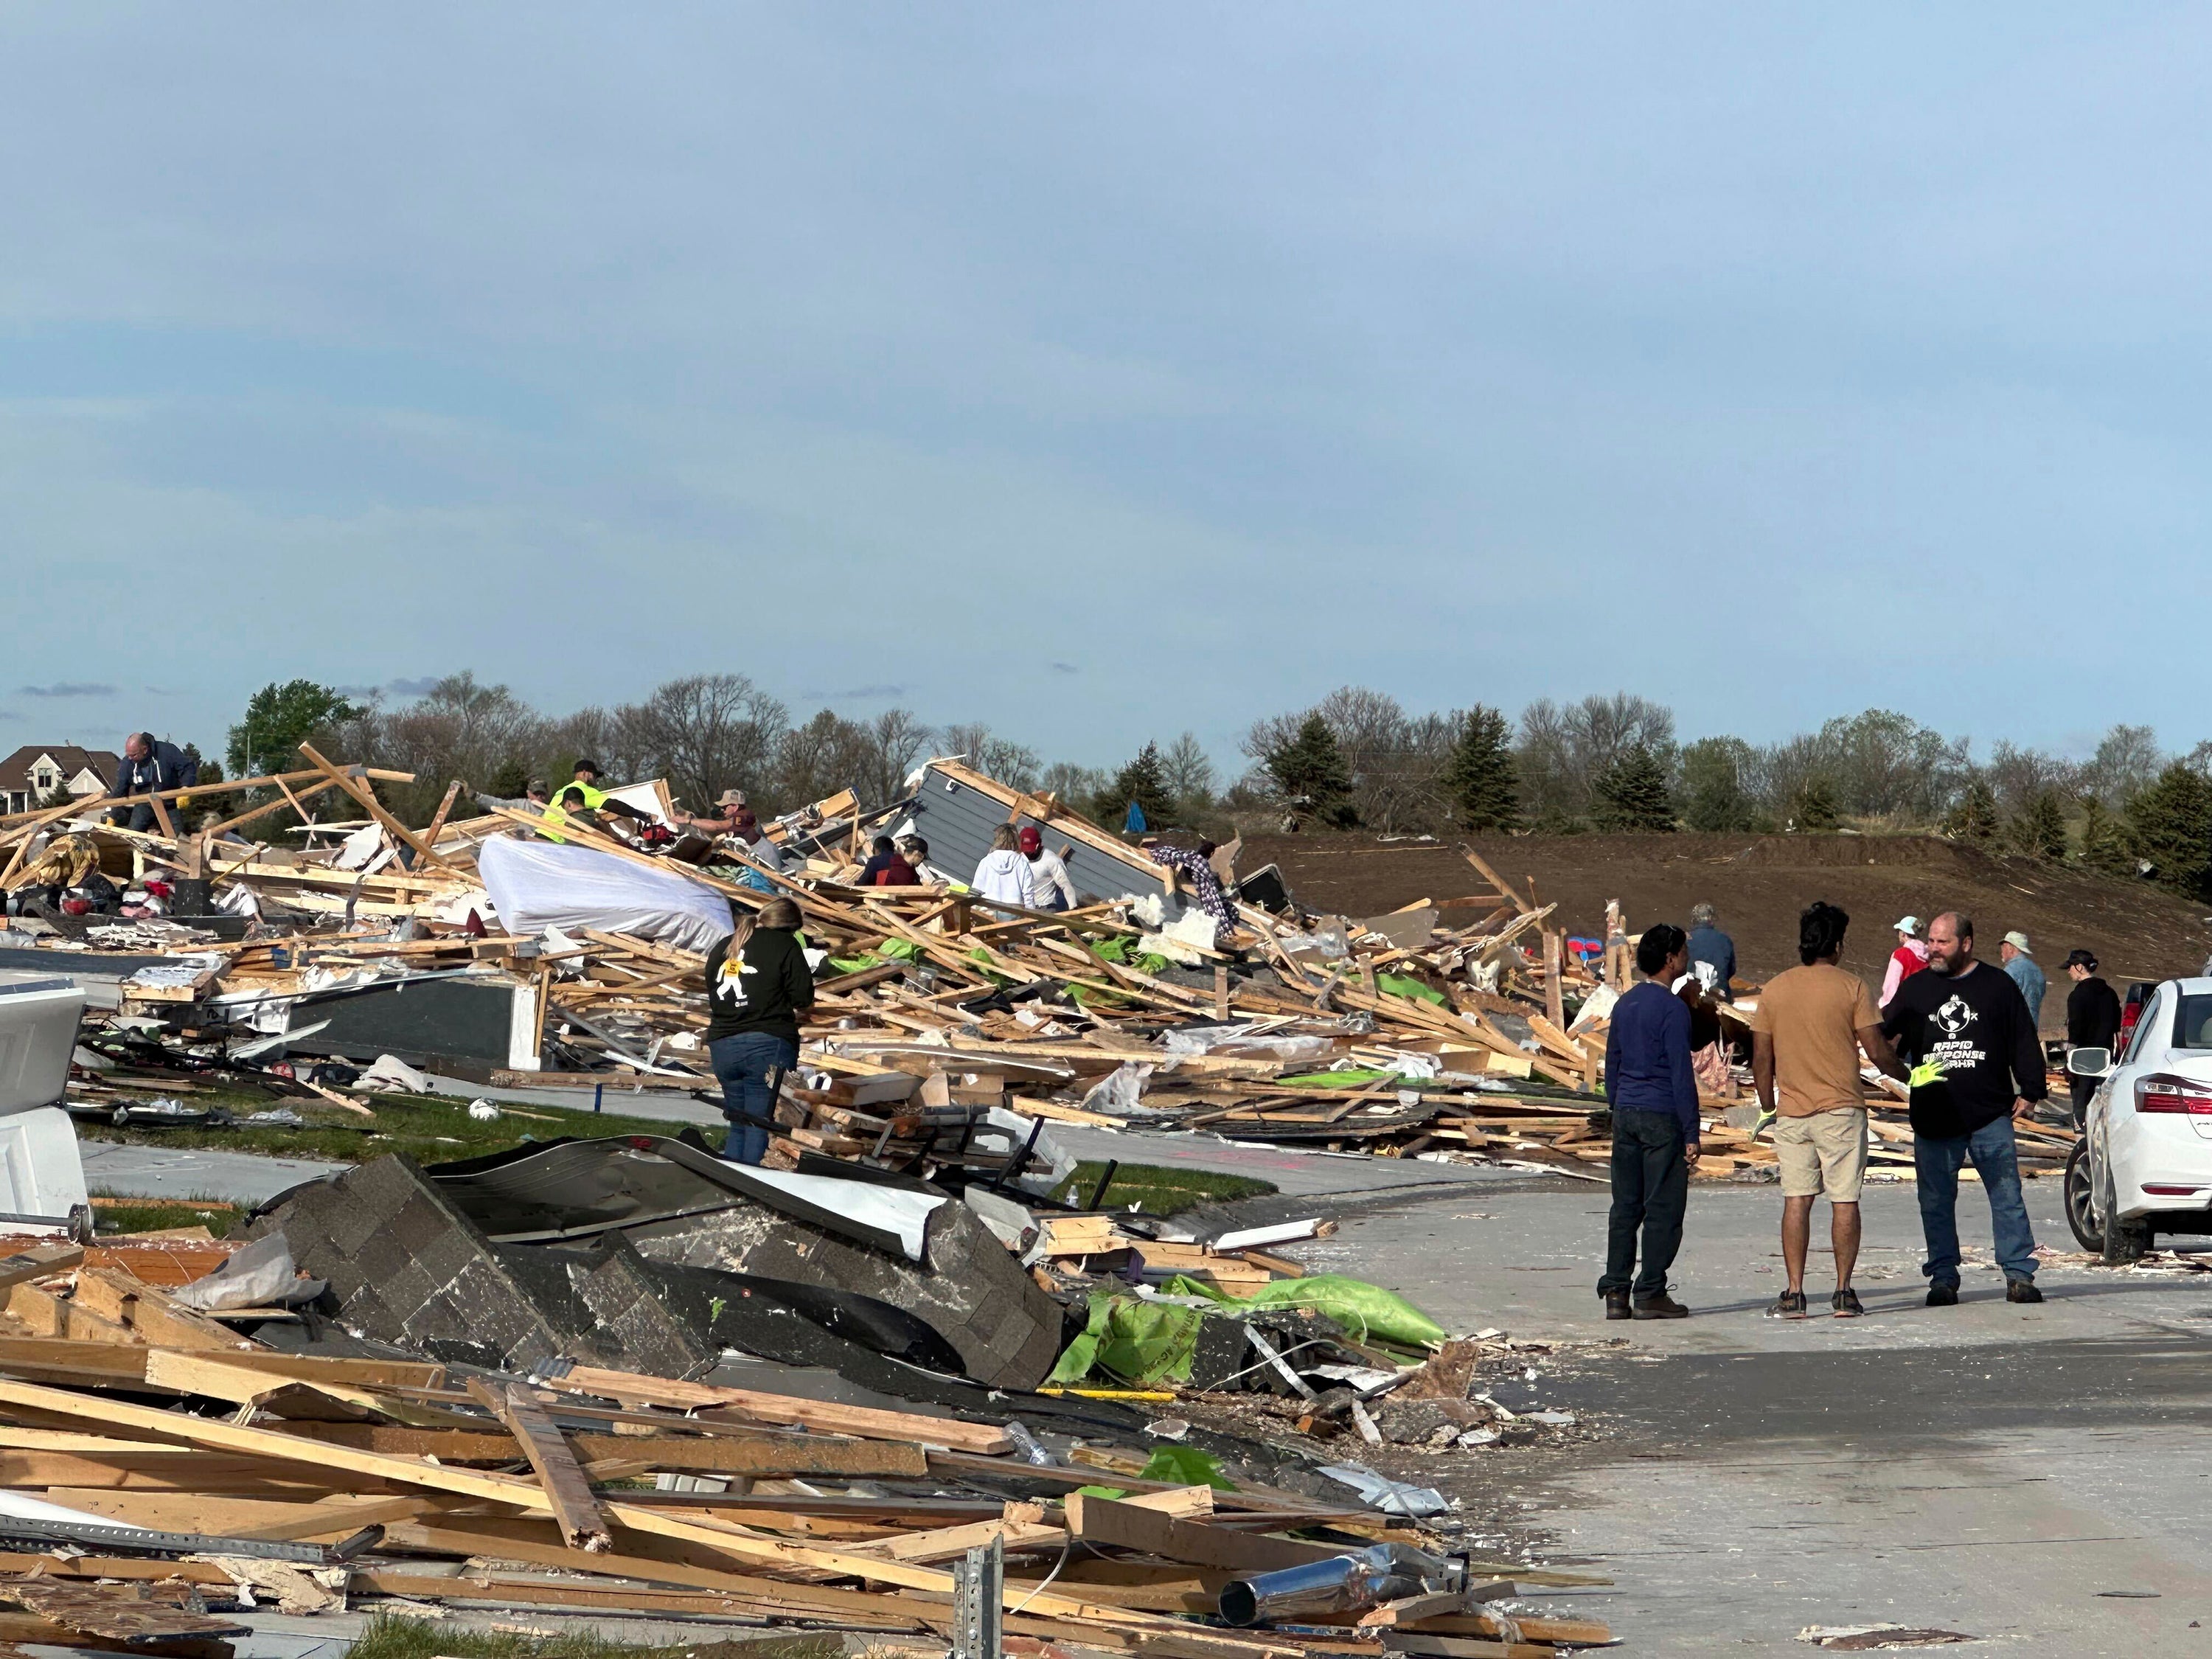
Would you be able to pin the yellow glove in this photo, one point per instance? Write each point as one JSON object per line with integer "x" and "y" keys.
{"x": 1927, "y": 1071}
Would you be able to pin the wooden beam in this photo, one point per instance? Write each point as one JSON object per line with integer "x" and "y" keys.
{"x": 1126, "y": 1526}
{"x": 1495, "y": 880}
{"x": 367, "y": 796}
{"x": 822, "y": 1416}
{"x": 583, "y": 1525}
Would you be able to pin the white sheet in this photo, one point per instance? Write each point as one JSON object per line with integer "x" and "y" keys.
{"x": 535, "y": 885}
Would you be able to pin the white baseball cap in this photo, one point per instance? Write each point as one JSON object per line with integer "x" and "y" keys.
{"x": 2019, "y": 942}
{"x": 1909, "y": 925}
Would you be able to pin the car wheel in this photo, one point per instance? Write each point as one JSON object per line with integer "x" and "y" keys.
{"x": 2081, "y": 1213}
{"x": 2124, "y": 1242}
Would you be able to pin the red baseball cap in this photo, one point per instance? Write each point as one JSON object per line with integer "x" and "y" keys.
{"x": 1029, "y": 841}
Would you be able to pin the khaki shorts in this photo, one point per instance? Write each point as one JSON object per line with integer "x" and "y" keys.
{"x": 1825, "y": 1152}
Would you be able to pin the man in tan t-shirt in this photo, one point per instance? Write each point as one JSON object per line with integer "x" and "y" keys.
{"x": 1806, "y": 1032}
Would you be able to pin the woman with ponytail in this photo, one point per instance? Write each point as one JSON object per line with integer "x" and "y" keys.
{"x": 757, "y": 985}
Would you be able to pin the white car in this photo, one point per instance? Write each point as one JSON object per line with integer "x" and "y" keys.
{"x": 2145, "y": 1165}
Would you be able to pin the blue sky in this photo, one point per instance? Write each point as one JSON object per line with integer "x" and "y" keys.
{"x": 1103, "y": 372}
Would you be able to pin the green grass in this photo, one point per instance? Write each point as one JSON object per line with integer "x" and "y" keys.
{"x": 154, "y": 1216}
{"x": 1162, "y": 1190}
{"x": 428, "y": 1128}
{"x": 416, "y": 1638}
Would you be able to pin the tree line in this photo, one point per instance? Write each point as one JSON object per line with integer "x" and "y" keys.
{"x": 1356, "y": 759}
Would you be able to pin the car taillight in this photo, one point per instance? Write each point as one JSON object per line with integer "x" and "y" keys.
{"x": 2162, "y": 1091}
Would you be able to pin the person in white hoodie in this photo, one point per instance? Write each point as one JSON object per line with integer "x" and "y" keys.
{"x": 1003, "y": 877}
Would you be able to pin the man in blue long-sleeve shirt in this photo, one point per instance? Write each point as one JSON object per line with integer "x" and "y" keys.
{"x": 1654, "y": 1094}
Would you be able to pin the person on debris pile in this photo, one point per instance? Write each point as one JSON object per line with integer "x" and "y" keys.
{"x": 1908, "y": 959}
{"x": 536, "y": 795}
{"x": 886, "y": 866}
{"x": 570, "y": 807}
{"x": 1003, "y": 875}
{"x": 915, "y": 851}
{"x": 723, "y": 820}
{"x": 1049, "y": 879}
{"x": 2092, "y": 1021}
{"x": 757, "y": 985}
{"x": 1806, "y": 1033}
{"x": 149, "y": 767}
{"x": 1654, "y": 1097}
{"x": 2019, "y": 964}
{"x": 763, "y": 853}
{"x": 597, "y": 799}
{"x": 1977, "y": 1065}
{"x": 1712, "y": 953}
{"x": 1194, "y": 864}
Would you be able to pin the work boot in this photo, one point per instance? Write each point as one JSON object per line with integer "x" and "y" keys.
{"x": 1942, "y": 1296}
{"x": 2022, "y": 1290}
{"x": 1661, "y": 1306}
{"x": 1616, "y": 1304}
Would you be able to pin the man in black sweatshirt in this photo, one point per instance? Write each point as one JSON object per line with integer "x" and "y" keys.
{"x": 757, "y": 985}
{"x": 1965, "y": 1030}
{"x": 2092, "y": 1021}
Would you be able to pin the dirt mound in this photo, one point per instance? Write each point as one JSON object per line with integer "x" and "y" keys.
{"x": 1761, "y": 882}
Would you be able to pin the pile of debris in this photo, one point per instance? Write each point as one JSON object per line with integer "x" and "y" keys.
{"x": 626, "y": 1376}
{"x": 1180, "y": 995}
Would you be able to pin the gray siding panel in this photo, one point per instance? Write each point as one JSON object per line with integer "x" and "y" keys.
{"x": 958, "y": 822}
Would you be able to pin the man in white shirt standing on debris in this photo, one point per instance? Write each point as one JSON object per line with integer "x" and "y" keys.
{"x": 1048, "y": 880}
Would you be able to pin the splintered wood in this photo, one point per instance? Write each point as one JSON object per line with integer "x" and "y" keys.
{"x": 584, "y": 1489}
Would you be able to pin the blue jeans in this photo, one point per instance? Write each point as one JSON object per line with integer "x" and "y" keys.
{"x": 751, "y": 1066}
{"x": 1937, "y": 1163}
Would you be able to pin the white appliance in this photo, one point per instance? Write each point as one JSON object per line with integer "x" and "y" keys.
{"x": 41, "y": 1175}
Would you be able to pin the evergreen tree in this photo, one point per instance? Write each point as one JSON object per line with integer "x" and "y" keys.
{"x": 1143, "y": 780}
{"x": 1974, "y": 819}
{"x": 2039, "y": 830}
{"x": 1309, "y": 772}
{"x": 1633, "y": 793}
{"x": 1713, "y": 798}
{"x": 511, "y": 779}
{"x": 1480, "y": 778}
{"x": 2170, "y": 827}
{"x": 1812, "y": 808}
{"x": 2104, "y": 840}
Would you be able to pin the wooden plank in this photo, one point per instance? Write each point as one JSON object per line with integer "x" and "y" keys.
{"x": 1105, "y": 1521}
{"x": 583, "y": 1525}
{"x": 367, "y": 796}
{"x": 1495, "y": 880}
{"x": 865, "y": 1421}
{"x": 53, "y": 1315}
{"x": 523, "y": 1494}
{"x": 37, "y": 1262}
{"x": 760, "y": 1455}
{"x": 159, "y": 1319}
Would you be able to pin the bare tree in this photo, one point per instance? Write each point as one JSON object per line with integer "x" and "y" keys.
{"x": 1189, "y": 773}
{"x": 1565, "y": 749}
{"x": 1072, "y": 786}
{"x": 2020, "y": 777}
{"x": 896, "y": 741}
{"x": 1011, "y": 763}
{"x": 709, "y": 732}
{"x": 2127, "y": 760}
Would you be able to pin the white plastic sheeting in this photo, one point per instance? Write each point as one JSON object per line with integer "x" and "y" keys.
{"x": 888, "y": 1209}
{"x": 535, "y": 885}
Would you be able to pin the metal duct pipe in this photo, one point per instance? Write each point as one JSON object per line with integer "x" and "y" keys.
{"x": 1358, "y": 1579}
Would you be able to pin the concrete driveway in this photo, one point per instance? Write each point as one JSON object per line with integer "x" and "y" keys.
{"x": 2040, "y": 1477}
